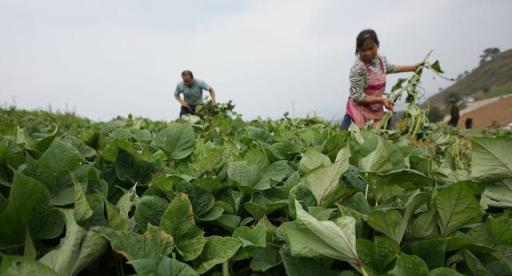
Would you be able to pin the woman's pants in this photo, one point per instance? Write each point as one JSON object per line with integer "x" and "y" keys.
{"x": 345, "y": 123}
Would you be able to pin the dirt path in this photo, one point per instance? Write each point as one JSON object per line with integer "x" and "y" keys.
{"x": 483, "y": 116}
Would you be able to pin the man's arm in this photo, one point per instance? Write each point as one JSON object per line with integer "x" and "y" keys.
{"x": 181, "y": 101}
{"x": 212, "y": 95}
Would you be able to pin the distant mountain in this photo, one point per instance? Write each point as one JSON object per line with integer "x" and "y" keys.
{"x": 491, "y": 79}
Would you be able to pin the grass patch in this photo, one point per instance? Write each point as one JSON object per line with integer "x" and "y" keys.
{"x": 499, "y": 91}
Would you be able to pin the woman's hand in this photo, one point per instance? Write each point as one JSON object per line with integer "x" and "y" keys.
{"x": 388, "y": 103}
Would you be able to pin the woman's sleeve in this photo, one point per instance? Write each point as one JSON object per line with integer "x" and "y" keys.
{"x": 358, "y": 81}
{"x": 390, "y": 68}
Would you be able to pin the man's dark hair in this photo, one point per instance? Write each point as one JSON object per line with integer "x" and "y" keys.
{"x": 187, "y": 72}
{"x": 365, "y": 35}
{"x": 469, "y": 123}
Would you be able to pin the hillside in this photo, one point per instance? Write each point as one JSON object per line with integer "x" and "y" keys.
{"x": 490, "y": 79}
{"x": 499, "y": 111}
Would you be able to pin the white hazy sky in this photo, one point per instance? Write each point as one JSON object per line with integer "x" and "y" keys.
{"x": 108, "y": 58}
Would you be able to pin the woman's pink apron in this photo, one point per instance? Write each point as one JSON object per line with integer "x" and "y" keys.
{"x": 361, "y": 114}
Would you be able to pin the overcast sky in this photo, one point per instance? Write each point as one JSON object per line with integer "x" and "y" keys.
{"x": 108, "y": 58}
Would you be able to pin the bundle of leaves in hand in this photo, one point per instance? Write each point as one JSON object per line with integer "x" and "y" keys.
{"x": 415, "y": 117}
{"x": 207, "y": 109}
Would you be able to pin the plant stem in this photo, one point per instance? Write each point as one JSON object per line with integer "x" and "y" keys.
{"x": 225, "y": 268}
{"x": 367, "y": 185}
{"x": 364, "y": 271}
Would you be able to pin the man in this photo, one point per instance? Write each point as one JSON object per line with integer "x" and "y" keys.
{"x": 454, "y": 113}
{"x": 192, "y": 90}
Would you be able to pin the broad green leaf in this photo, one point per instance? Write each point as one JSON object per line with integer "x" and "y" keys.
{"x": 391, "y": 222}
{"x": 474, "y": 264}
{"x": 207, "y": 161}
{"x": 309, "y": 237}
{"x": 433, "y": 251}
{"x": 47, "y": 226}
{"x": 92, "y": 247}
{"x": 444, "y": 271}
{"x": 201, "y": 200}
{"x": 228, "y": 221}
{"x": 313, "y": 159}
{"x": 495, "y": 232}
{"x": 82, "y": 209}
{"x": 425, "y": 225}
{"x": 213, "y": 214}
{"x": 134, "y": 167}
{"x": 154, "y": 243}
{"x": 256, "y": 237}
{"x": 127, "y": 201}
{"x": 78, "y": 249}
{"x": 497, "y": 195}
{"x": 385, "y": 158}
{"x": 177, "y": 141}
{"x": 178, "y": 220}
{"x": 387, "y": 222}
{"x": 54, "y": 166}
{"x": 143, "y": 135}
{"x": 300, "y": 266}
{"x": 163, "y": 186}
{"x": 18, "y": 266}
{"x": 29, "y": 249}
{"x": 252, "y": 178}
{"x": 286, "y": 150}
{"x": 258, "y": 134}
{"x": 11, "y": 156}
{"x": 216, "y": 251}
{"x": 491, "y": 158}
{"x": 85, "y": 150}
{"x": 150, "y": 209}
{"x": 324, "y": 182}
{"x": 163, "y": 266}
{"x": 38, "y": 142}
{"x": 386, "y": 251}
{"x": 358, "y": 202}
{"x": 409, "y": 265}
{"x": 247, "y": 176}
{"x": 210, "y": 184}
{"x": 321, "y": 213}
{"x": 27, "y": 208}
{"x": 265, "y": 258}
{"x": 114, "y": 218}
{"x": 290, "y": 182}
{"x": 276, "y": 172}
{"x": 266, "y": 202}
{"x": 456, "y": 206}
{"x": 377, "y": 256}
{"x": 256, "y": 156}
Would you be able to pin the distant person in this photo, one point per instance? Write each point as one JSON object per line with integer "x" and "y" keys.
{"x": 368, "y": 81}
{"x": 454, "y": 113}
{"x": 495, "y": 125}
{"x": 192, "y": 90}
{"x": 469, "y": 123}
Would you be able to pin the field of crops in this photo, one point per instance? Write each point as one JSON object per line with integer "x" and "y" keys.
{"x": 224, "y": 196}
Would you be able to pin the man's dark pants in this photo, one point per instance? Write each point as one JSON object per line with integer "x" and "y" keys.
{"x": 185, "y": 110}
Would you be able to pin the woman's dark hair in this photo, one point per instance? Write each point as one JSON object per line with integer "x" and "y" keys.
{"x": 365, "y": 35}
{"x": 187, "y": 72}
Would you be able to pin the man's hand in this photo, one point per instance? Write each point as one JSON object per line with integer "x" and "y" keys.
{"x": 185, "y": 104}
{"x": 388, "y": 103}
